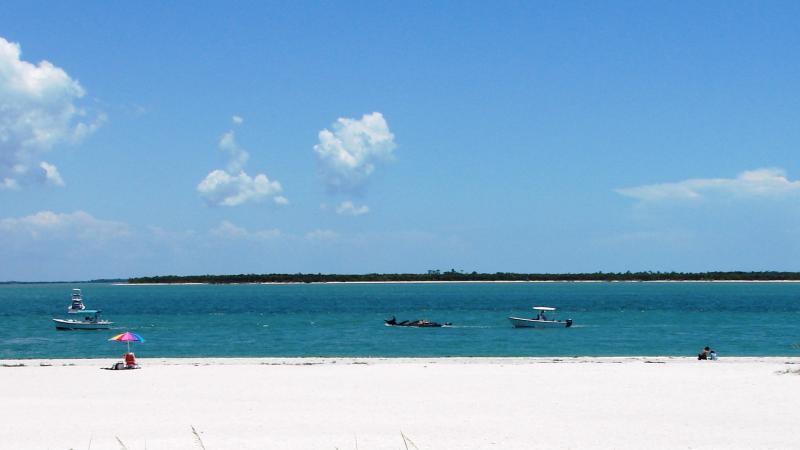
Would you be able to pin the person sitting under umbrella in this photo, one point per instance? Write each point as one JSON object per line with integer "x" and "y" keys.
{"x": 129, "y": 358}
{"x": 130, "y": 361}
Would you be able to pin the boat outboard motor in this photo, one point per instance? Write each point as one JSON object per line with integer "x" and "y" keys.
{"x": 569, "y": 323}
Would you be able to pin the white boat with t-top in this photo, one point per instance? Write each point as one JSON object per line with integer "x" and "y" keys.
{"x": 541, "y": 320}
{"x": 90, "y": 321}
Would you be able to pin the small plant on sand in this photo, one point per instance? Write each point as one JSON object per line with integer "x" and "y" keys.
{"x": 121, "y": 444}
{"x": 197, "y": 439}
{"x": 407, "y": 441}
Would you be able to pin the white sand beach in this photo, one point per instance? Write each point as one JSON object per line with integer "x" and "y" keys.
{"x": 438, "y": 403}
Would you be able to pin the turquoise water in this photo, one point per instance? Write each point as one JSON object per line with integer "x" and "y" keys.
{"x": 347, "y": 319}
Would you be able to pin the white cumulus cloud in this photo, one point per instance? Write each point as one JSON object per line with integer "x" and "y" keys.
{"x": 347, "y": 208}
{"x": 752, "y": 183}
{"x": 349, "y": 154}
{"x": 233, "y": 186}
{"x": 38, "y": 110}
{"x": 221, "y": 188}
{"x": 237, "y": 120}
{"x": 78, "y": 225}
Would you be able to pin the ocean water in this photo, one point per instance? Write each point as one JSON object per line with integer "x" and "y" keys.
{"x": 611, "y": 319}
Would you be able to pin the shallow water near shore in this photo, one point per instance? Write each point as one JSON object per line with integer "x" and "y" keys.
{"x": 611, "y": 319}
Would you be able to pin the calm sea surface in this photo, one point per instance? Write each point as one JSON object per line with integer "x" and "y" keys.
{"x": 347, "y": 319}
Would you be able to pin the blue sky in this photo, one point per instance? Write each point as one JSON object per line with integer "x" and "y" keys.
{"x": 356, "y": 137}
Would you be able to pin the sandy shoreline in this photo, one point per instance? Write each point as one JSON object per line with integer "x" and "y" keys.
{"x": 438, "y": 403}
{"x": 324, "y": 360}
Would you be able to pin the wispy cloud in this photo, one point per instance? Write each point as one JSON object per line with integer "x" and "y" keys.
{"x": 349, "y": 154}
{"x": 230, "y": 231}
{"x": 347, "y": 208}
{"x": 668, "y": 236}
{"x": 322, "y": 235}
{"x": 51, "y": 174}
{"x": 754, "y": 183}
{"x": 163, "y": 235}
{"x": 233, "y": 186}
{"x": 238, "y": 155}
{"x": 38, "y": 110}
{"x": 78, "y": 225}
{"x": 9, "y": 184}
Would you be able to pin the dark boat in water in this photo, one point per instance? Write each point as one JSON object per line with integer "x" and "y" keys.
{"x": 420, "y": 323}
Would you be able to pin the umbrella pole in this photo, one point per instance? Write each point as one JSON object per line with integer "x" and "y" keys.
{"x": 129, "y": 346}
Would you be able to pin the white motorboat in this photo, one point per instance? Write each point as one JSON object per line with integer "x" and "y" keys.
{"x": 77, "y": 302}
{"x": 541, "y": 320}
{"x": 91, "y": 321}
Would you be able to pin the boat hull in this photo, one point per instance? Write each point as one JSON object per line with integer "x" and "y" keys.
{"x": 62, "y": 324}
{"x": 520, "y": 322}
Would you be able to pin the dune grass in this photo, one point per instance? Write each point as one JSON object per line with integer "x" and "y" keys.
{"x": 199, "y": 441}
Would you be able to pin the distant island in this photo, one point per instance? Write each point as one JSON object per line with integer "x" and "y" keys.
{"x": 452, "y": 275}
{"x": 99, "y": 281}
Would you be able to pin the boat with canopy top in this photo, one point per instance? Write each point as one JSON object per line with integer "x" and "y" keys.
{"x": 541, "y": 320}
{"x": 91, "y": 321}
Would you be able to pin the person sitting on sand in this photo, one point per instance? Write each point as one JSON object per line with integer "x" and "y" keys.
{"x": 130, "y": 359}
{"x": 712, "y": 355}
{"x": 704, "y": 354}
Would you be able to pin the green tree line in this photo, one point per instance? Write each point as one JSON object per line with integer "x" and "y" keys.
{"x": 473, "y": 276}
